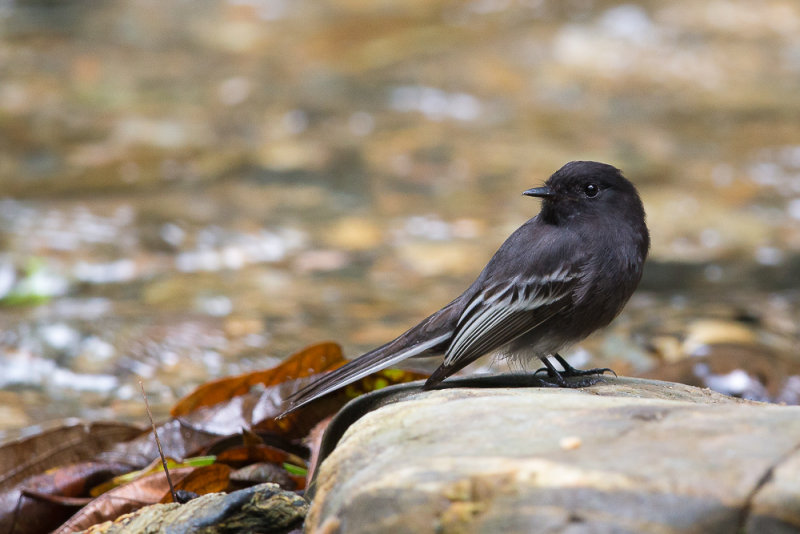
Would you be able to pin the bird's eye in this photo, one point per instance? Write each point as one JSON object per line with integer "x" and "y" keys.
{"x": 591, "y": 190}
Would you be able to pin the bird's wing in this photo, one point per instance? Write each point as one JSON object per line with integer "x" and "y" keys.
{"x": 502, "y": 312}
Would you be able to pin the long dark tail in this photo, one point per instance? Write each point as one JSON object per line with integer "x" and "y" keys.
{"x": 429, "y": 337}
{"x": 375, "y": 360}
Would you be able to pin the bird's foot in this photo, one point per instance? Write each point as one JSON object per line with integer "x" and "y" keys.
{"x": 557, "y": 377}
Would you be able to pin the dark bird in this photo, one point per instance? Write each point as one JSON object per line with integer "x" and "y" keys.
{"x": 556, "y": 279}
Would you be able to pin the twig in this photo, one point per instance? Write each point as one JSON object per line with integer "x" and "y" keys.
{"x": 158, "y": 443}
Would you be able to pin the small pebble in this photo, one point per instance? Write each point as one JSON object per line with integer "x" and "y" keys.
{"x": 570, "y": 443}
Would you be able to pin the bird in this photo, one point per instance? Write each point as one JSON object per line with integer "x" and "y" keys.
{"x": 562, "y": 275}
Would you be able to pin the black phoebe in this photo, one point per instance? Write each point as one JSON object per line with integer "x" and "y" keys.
{"x": 558, "y": 278}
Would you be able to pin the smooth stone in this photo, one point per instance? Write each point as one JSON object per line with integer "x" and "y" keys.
{"x": 624, "y": 455}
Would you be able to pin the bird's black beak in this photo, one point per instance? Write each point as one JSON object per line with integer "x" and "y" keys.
{"x": 542, "y": 192}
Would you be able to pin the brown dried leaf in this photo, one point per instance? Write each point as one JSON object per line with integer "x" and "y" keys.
{"x": 300, "y": 422}
{"x": 311, "y": 360}
{"x": 208, "y": 479}
{"x": 259, "y": 410}
{"x": 248, "y": 454}
{"x": 58, "y": 446}
{"x": 41, "y": 502}
{"x": 259, "y": 473}
{"x": 177, "y": 440}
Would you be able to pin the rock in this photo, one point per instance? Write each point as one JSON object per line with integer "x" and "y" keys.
{"x": 12, "y": 411}
{"x": 750, "y": 371}
{"x": 705, "y": 332}
{"x": 264, "y": 508}
{"x": 775, "y": 508}
{"x": 624, "y": 455}
{"x": 354, "y": 234}
{"x": 435, "y": 258}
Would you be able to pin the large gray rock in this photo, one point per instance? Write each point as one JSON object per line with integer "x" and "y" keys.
{"x": 623, "y": 455}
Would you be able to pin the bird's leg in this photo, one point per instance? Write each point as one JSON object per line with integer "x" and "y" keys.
{"x": 569, "y": 371}
{"x": 552, "y": 373}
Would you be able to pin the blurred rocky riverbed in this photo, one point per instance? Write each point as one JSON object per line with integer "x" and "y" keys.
{"x": 195, "y": 189}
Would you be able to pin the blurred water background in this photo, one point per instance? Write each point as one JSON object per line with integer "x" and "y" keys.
{"x": 192, "y": 189}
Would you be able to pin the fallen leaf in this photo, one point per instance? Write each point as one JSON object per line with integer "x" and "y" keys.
{"x": 41, "y": 502}
{"x": 208, "y": 479}
{"x": 311, "y": 360}
{"x": 66, "y": 444}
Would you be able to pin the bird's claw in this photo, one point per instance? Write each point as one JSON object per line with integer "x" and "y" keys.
{"x": 557, "y": 377}
{"x": 587, "y": 372}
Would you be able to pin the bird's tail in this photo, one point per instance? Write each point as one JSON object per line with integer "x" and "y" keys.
{"x": 374, "y": 360}
{"x": 429, "y": 337}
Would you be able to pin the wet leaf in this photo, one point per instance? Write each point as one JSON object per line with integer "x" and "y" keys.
{"x": 259, "y": 410}
{"x": 300, "y": 422}
{"x": 177, "y": 440}
{"x": 155, "y": 466}
{"x": 59, "y": 446}
{"x": 311, "y": 360}
{"x": 207, "y": 479}
{"x": 41, "y": 502}
{"x": 251, "y": 438}
{"x": 247, "y": 454}
{"x": 58, "y": 500}
{"x": 240, "y": 457}
{"x": 266, "y": 472}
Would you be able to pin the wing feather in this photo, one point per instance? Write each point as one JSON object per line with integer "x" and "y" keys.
{"x": 504, "y": 312}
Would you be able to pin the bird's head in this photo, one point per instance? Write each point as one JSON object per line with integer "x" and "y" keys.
{"x": 587, "y": 190}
